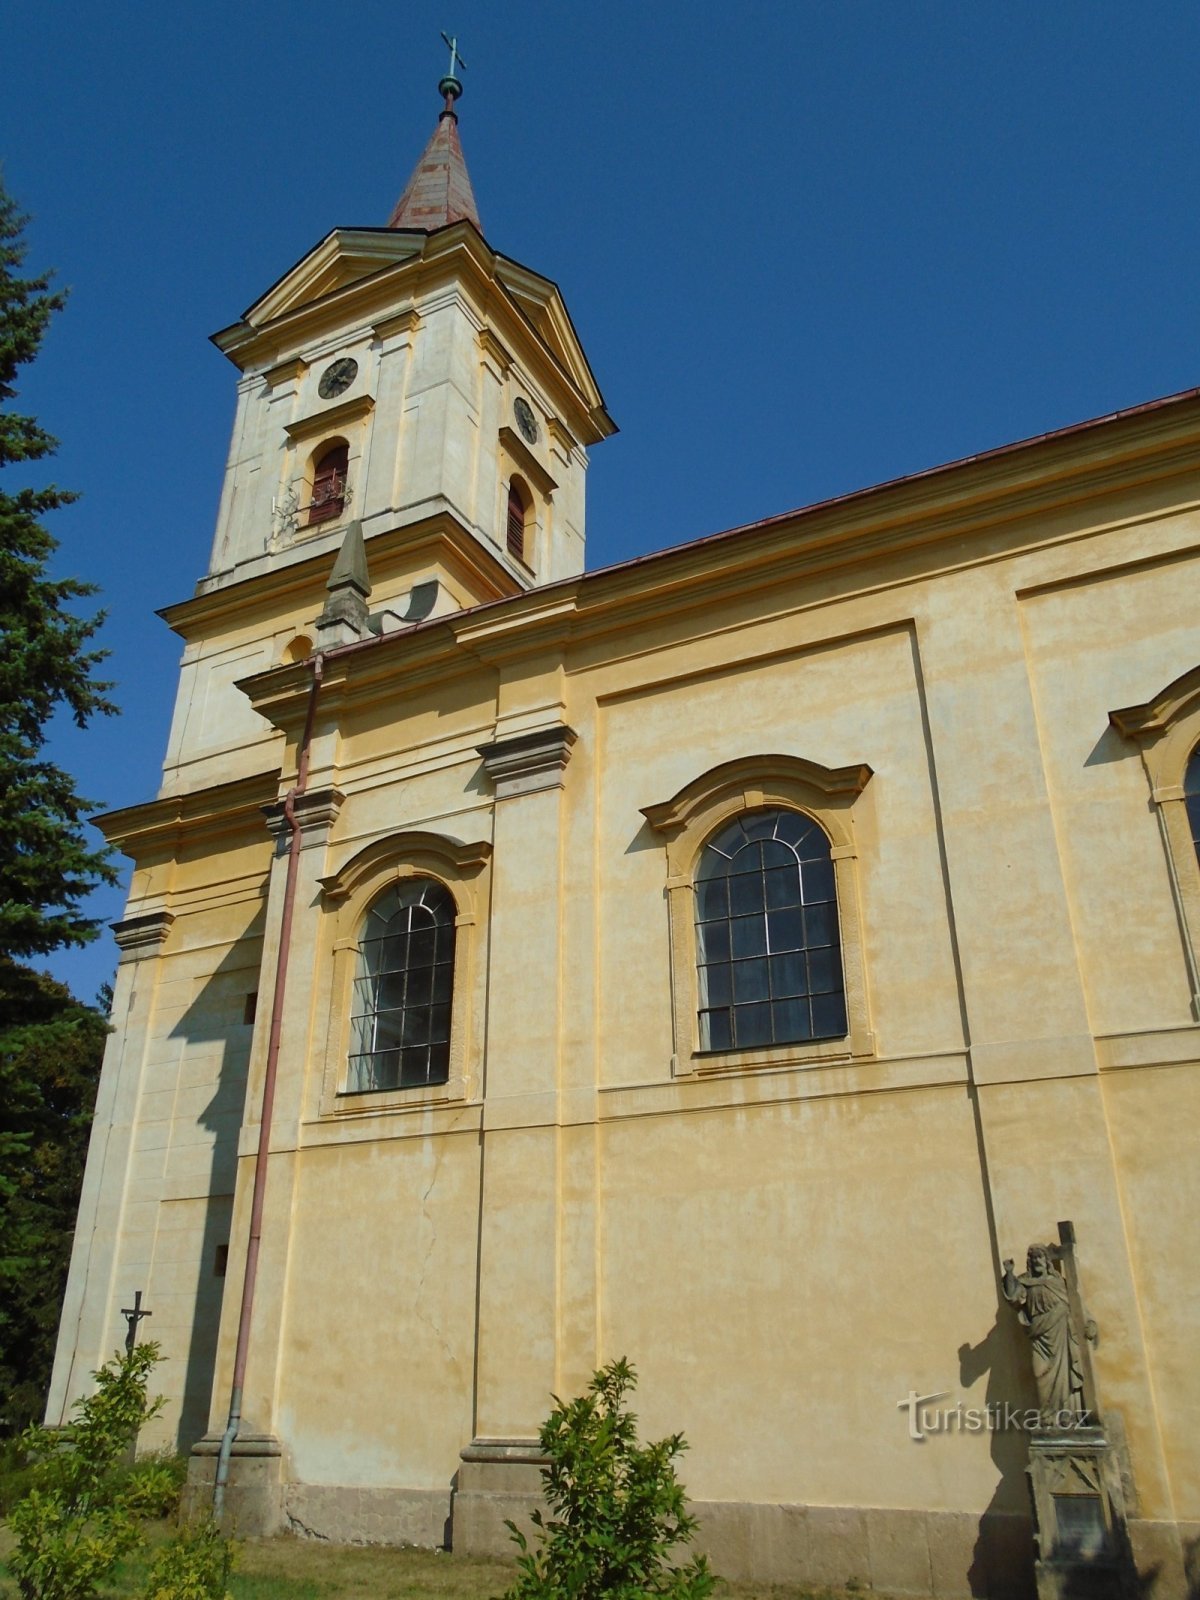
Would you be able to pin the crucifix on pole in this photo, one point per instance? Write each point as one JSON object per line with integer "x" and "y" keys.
{"x": 133, "y": 1315}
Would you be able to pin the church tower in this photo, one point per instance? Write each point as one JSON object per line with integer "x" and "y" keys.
{"x": 414, "y": 414}
{"x": 410, "y": 379}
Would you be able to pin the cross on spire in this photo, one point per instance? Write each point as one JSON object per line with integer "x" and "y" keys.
{"x": 451, "y": 85}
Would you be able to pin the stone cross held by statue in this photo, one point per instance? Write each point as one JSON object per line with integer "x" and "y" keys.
{"x": 133, "y": 1317}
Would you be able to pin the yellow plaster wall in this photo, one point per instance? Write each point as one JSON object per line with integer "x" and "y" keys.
{"x": 652, "y": 742}
{"x": 378, "y": 1337}
{"x": 784, "y": 1275}
{"x": 1153, "y": 1114}
{"x": 1090, "y": 650}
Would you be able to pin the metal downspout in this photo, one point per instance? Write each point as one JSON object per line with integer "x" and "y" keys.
{"x": 250, "y": 1277}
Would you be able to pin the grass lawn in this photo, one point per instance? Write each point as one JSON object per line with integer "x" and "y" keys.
{"x": 308, "y": 1569}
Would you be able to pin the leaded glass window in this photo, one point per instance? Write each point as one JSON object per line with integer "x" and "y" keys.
{"x": 767, "y": 944}
{"x": 400, "y": 1024}
{"x": 1191, "y": 796}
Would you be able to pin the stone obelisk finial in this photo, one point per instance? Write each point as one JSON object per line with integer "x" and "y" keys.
{"x": 344, "y": 618}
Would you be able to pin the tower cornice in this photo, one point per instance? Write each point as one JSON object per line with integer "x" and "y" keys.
{"x": 385, "y": 273}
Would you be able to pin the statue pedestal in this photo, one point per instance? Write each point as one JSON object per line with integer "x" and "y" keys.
{"x": 1075, "y": 1483}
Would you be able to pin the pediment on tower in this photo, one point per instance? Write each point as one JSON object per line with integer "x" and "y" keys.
{"x": 344, "y": 257}
{"x": 542, "y": 306}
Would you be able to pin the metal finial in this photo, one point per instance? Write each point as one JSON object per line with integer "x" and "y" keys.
{"x": 451, "y": 85}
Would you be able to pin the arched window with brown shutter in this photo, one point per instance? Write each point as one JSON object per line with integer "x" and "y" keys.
{"x": 518, "y": 516}
{"x": 329, "y": 484}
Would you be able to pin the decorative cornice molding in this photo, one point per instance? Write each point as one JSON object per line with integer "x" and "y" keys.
{"x": 491, "y": 347}
{"x": 561, "y": 437}
{"x": 527, "y": 762}
{"x": 757, "y": 779}
{"x": 196, "y": 814}
{"x": 1148, "y": 721}
{"x": 334, "y": 417}
{"x": 406, "y": 853}
{"x": 526, "y": 461}
{"x": 407, "y": 321}
{"x": 141, "y": 935}
{"x": 285, "y": 372}
{"x": 316, "y": 811}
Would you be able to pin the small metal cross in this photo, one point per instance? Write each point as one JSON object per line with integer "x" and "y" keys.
{"x": 133, "y": 1317}
{"x": 456, "y": 60}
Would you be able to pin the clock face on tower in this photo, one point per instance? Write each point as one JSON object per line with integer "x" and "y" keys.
{"x": 526, "y": 420}
{"x": 337, "y": 378}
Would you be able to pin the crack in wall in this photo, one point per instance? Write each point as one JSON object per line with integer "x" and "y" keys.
{"x": 427, "y": 1222}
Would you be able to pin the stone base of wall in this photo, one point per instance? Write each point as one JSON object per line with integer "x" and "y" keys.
{"x": 367, "y": 1516}
{"x": 253, "y": 1494}
{"x": 497, "y": 1478}
{"x": 947, "y": 1555}
{"x": 1167, "y": 1557}
{"x": 953, "y": 1555}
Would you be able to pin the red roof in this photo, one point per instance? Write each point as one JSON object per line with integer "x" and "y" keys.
{"x": 439, "y": 191}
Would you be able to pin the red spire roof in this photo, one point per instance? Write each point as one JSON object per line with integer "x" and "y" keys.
{"x": 439, "y": 191}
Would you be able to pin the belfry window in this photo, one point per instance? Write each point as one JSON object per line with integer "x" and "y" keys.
{"x": 767, "y": 941}
{"x": 400, "y": 1025}
{"x": 518, "y": 517}
{"x": 329, "y": 484}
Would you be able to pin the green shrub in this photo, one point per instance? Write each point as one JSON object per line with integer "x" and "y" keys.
{"x": 75, "y": 1523}
{"x": 154, "y": 1483}
{"x": 194, "y": 1566}
{"x": 16, "y": 1474}
{"x": 618, "y": 1509}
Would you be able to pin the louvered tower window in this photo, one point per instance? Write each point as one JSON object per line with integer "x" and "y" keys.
{"x": 518, "y": 511}
{"x": 329, "y": 485}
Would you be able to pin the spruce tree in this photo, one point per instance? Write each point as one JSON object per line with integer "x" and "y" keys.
{"x": 49, "y": 1068}
{"x": 46, "y": 867}
{"x": 50, "y": 1044}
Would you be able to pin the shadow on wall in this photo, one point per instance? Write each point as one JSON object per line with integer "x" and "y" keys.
{"x": 217, "y": 1028}
{"x": 1004, "y": 1554}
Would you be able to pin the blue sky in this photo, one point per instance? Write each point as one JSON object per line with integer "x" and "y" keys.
{"x": 808, "y": 247}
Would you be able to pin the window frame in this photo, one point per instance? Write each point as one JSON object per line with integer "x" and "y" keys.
{"x": 333, "y": 507}
{"x": 519, "y": 492}
{"x": 1166, "y": 731}
{"x": 827, "y": 796}
{"x": 347, "y": 897}
{"x": 435, "y": 910}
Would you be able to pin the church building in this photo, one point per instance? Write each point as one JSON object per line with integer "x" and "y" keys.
{"x": 734, "y": 959}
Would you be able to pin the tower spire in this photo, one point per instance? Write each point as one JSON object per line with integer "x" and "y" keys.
{"x": 439, "y": 191}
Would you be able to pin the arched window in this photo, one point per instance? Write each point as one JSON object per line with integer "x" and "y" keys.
{"x": 518, "y": 516}
{"x": 400, "y": 1024}
{"x": 1191, "y": 796}
{"x": 767, "y": 945}
{"x": 329, "y": 484}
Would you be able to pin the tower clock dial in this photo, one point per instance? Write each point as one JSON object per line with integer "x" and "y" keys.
{"x": 526, "y": 420}
{"x": 337, "y": 378}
